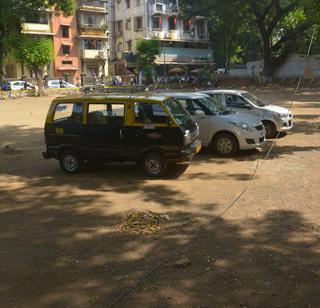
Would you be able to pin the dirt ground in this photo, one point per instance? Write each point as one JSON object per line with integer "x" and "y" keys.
{"x": 60, "y": 244}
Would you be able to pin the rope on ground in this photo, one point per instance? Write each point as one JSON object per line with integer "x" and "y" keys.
{"x": 144, "y": 277}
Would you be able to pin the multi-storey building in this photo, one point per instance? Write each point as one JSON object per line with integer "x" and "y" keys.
{"x": 183, "y": 41}
{"x": 66, "y": 63}
{"x": 40, "y": 26}
{"x": 93, "y": 37}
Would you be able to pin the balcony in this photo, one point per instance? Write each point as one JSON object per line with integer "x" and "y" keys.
{"x": 185, "y": 56}
{"x": 36, "y": 28}
{"x": 101, "y": 27}
{"x": 92, "y": 6}
{"x": 93, "y": 54}
{"x": 164, "y": 9}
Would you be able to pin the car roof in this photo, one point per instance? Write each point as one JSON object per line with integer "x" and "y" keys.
{"x": 186, "y": 95}
{"x": 109, "y": 97}
{"x": 226, "y": 91}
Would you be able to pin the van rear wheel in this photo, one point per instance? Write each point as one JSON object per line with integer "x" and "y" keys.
{"x": 70, "y": 162}
{"x": 154, "y": 164}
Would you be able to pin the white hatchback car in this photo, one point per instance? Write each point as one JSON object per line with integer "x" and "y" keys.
{"x": 20, "y": 85}
{"x": 56, "y": 84}
{"x": 274, "y": 118}
{"x": 223, "y": 130}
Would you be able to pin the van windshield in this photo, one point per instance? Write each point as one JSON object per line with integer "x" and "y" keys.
{"x": 180, "y": 114}
{"x": 253, "y": 99}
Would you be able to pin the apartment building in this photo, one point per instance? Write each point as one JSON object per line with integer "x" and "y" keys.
{"x": 183, "y": 41}
{"x": 93, "y": 38}
{"x": 65, "y": 39}
{"x": 39, "y": 26}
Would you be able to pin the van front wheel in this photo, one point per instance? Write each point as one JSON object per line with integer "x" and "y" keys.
{"x": 154, "y": 164}
{"x": 70, "y": 162}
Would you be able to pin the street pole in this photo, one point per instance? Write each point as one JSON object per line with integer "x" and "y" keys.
{"x": 164, "y": 63}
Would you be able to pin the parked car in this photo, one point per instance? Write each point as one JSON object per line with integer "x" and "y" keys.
{"x": 223, "y": 130}
{"x": 60, "y": 84}
{"x": 21, "y": 85}
{"x": 274, "y": 118}
{"x": 150, "y": 130}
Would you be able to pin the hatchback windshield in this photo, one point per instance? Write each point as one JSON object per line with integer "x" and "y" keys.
{"x": 180, "y": 114}
{"x": 213, "y": 105}
{"x": 253, "y": 99}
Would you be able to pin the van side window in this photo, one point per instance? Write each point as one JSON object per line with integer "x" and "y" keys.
{"x": 68, "y": 113}
{"x": 107, "y": 113}
{"x": 148, "y": 113}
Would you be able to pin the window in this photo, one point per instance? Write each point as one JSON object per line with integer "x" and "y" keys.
{"x": 128, "y": 24}
{"x": 172, "y": 23}
{"x": 235, "y": 101}
{"x": 108, "y": 114}
{"x": 66, "y": 49}
{"x": 190, "y": 105}
{"x": 128, "y": 4}
{"x": 68, "y": 113}
{"x": 186, "y": 25}
{"x": 120, "y": 47}
{"x": 66, "y": 62}
{"x": 157, "y": 23}
{"x": 217, "y": 98}
{"x": 129, "y": 45}
{"x": 150, "y": 114}
{"x": 138, "y": 23}
{"x": 119, "y": 27}
{"x": 65, "y": 31}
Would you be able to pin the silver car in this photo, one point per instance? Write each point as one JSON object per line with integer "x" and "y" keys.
{"x": 223, "y": 130}
{"x": 274, "y": 118}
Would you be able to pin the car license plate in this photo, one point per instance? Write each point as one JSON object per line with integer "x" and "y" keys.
{"x": 198, "y": 149}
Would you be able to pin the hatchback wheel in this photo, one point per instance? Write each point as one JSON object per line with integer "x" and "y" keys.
{"x": 225, "y": 144}
{"x": 270, "y": 128}
{"x": 70, "y": 162}
{"x": 154, "y": 164}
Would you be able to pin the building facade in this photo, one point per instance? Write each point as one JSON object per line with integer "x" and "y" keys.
{"x": 93, "y": 38}
{"x": 66, "y": 63}
{"x": 39, "y": 26}
{"x": 183, "y": 41}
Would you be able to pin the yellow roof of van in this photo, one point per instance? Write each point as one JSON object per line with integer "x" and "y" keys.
{"x": 151, "y": 97}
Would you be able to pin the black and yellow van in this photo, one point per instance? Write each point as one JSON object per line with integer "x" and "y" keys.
{"x": 152, "y": 130}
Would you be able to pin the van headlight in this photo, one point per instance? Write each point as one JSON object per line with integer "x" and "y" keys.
{"x": 187, "y": 138}
{"x": 242, "y": 125}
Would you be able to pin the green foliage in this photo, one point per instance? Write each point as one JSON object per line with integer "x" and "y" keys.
{"x": 243, "y": 30}
{"x": 34, "y": 52}
{"x": 13, "y": 12}
{"x": 147, "y": 51}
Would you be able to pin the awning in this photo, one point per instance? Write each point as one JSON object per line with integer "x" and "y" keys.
{"x": 67, "y": 68}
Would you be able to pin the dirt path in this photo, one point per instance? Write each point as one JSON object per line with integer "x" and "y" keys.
{"x": 60, "y": 245}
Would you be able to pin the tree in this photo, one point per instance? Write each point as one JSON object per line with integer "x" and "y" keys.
{"x": 34, "y": 53}
{"x": 147, "y": 51}
{"x": 12, "y": 12}
{"x": 280, "y": 24}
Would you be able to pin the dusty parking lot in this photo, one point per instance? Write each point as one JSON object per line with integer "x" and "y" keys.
{"x": 60, "y": 244}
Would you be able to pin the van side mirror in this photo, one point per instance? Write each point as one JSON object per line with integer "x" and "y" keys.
{"x": 200, "y": 114}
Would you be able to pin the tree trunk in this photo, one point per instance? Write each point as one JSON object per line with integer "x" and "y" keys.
{"x": 39, "y": 76}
